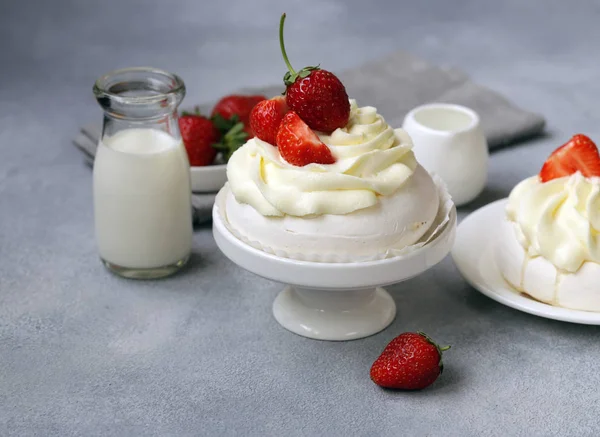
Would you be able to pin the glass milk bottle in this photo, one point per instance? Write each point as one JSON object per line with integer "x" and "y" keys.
{"x": 142, "y": 193}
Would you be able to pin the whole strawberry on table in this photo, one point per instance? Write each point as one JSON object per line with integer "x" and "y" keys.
{"x": 225, "y": 131}
{"x": 411, "y": 361}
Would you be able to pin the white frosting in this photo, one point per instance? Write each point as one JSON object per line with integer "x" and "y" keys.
{"x": 394, "y": 222}
{"x": 558, "y": 220}
{"x": 540, "y": 279}
{"x": 372, "y": 160}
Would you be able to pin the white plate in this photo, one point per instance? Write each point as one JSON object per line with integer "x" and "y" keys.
{"x": 473, "y": 254}
{"x": 209, "y": 179}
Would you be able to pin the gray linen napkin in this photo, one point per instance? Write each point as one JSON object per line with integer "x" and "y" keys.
{"x": 395, "y": 85}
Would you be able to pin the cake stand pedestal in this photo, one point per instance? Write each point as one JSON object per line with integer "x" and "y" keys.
{"x": 334, "y": 301}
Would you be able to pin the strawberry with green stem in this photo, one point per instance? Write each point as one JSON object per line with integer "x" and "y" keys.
{"x": 316, "y": 95}
{"x": 411, "y": 361}
{"x": 203, "y": 137}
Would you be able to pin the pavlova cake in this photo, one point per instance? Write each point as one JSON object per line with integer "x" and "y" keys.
{"x": 324, "y": 179}
{"x": 549, "y": 244}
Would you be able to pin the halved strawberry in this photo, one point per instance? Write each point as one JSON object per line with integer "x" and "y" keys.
{"x": 266, "y": 117}
{"x": 578, "y": 154}
{"x": 299, "y": 145}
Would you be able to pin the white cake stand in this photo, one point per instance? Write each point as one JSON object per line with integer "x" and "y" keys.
{"x": 334, "y": 301}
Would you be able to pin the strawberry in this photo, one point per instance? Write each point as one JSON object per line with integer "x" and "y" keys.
{"x": 240, "y": 105}
{"x": 198, "y": 134}
{"x": 412, "y": 361}
{"x": 578, "y": 154}
{"x": 266, "y": 117}
{"x": 203, "y": 137}
{"x": 316, "y": 95}
{"x": 299, "y": 145}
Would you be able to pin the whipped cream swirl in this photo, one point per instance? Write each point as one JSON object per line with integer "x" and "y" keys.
{"x": 372, "y": 160}
{"x": 559, "y": 219}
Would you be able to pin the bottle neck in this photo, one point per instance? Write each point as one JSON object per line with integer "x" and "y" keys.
{"x": 140, "y": 98}
{"x": 168, "y": 123}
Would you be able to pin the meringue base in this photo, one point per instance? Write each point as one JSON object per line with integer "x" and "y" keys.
{"x": 398, "y": 224}
{"x": 540, "y": 279}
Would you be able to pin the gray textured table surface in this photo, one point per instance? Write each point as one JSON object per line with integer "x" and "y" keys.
{"x": 85, "y": 353}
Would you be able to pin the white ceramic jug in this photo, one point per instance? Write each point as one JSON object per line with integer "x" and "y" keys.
{"x": 449, "y": 142}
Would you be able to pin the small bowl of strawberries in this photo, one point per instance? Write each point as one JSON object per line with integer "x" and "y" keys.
{"x": 210, "y": 141}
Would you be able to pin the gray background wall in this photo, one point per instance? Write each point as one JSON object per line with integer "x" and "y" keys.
{"x": 84, "y": 353}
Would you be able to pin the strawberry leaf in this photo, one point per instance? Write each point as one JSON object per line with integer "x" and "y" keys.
{"x": 439, "y": 349}
{"x": 232, "y": 139}
{"x": 223, "y": 124}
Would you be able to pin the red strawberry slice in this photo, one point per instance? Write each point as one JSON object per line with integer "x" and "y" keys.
{"x": 266, "y": 117}
{"x": 578, "y": 154}
{"x": 299, "y": 145}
